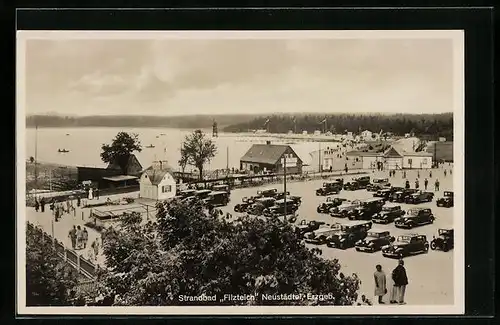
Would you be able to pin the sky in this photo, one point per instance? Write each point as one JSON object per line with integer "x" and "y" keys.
{"x": 231, "y": 76}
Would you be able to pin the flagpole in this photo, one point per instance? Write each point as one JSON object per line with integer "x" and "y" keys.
{"x": 284, "y": 184}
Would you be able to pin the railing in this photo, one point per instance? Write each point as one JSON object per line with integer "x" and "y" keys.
{"x": 82, "y": 265}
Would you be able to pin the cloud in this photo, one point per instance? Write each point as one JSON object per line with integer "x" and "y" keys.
{"x": 203, "y": 76}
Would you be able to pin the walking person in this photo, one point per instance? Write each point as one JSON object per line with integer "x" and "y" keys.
{"x": 404, "y": 174}
{"x": 79, "y": 237}
{"x": 426, "y": 183}
{"x": 96, "y": 193}
{"x": 72, "y": 236}
{"x": 400, "y": 282}
{"x": 85, "y": 237}
{"x": 95, "y": 248}
{"x": 37, "y": 205}
{"x": 445, "y": 173}
{"x": 430, "y": 174}
{"x": 42, "y": 204}
{"x": 417, "y": 184}
{"x": 436, "y": 185}
{"x": 78, "y": 201}
{"x": 407, "y": 184}
{"x": 418, "y": 173}
{"x": 380, "y": 283}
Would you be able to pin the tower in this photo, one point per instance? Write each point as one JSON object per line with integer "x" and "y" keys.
{"x": 215, "y": 132}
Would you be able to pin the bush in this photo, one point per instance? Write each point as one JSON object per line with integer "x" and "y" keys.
{"x": 93, "y": 225}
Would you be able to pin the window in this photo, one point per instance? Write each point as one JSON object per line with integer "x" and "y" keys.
{"x": 166, "y": 188}
{"x": 410, "y": 161}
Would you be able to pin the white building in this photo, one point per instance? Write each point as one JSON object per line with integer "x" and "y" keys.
{"x": 317, "y": 132}
{"x": 420, "y": 160}
{"x": 366, "y": 135}
{"x": 392, "y": 158}
{"x": 158, "y": 182}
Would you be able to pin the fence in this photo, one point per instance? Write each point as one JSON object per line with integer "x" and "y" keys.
{"x": 82, "y": 265}
{"x": 100, "y": 216}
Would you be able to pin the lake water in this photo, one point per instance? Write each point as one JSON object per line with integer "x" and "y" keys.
{"x": 84, "y": 145}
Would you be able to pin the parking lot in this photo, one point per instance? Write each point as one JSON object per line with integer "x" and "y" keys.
{"x": 430, "y": 275}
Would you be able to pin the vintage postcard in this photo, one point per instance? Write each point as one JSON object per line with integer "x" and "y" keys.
{"x": 231, "y": 172}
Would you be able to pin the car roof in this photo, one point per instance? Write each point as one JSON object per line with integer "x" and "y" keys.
{"x": 218, "y": 192}
{"x": 375, "y": 199}
{"x": 203, "y": 191}
{"x": 265, "y": 199}
{"x": 354, "y": 223}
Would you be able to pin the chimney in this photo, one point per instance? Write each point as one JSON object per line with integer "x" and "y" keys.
{"x": 268, "y": 142}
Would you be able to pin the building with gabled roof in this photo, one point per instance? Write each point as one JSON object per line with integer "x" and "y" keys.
{"x": 158, "y": 182}
{"x": 262, "y": 158}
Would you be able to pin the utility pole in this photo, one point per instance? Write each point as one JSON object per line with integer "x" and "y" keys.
{"x": 319, "y": 160}
{"x": 227, "y": 158}
{"x": 284, "y": 183}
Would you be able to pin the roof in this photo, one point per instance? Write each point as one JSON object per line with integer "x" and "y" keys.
{"x": 418, "y": 154}
{"x": 120, "y": 178}
{"x": 392, "y": 153}
{"x": 156, "y": 175}
{"x": 132, "y": 159}
{"x": 364, "y": 154}
{"x": 266, "y": 153}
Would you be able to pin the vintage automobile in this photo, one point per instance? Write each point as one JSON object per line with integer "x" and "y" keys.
{"x": 278, "y": 209}
{"x": 374, "y": 241}
{"x": 384, "y": 193}
{"x": 304, "y": 226}
{"x": 329, "y": 188}
{"x": 348, "y": 234}
{"x": 400, "y": 196}
{"x": 289, "y": 198}
{"x": 367, "y": 209}
{"x": 216, "y": 199}
{"x": 378, "y": 184}
{"x": 406, "y": 245}
{"x": 260, "y": 204}
{"x": 281, "y": 195}
{"x": 243, "y": 206}
{"x": 389, "y": 213}
{"x": 419, "y": 197}
{"x": 358, "y": 183}
{"x": 271, "y": 192}
{"x": 331, "y": 202}
{"x": 446, "y": 201}
{"x": 319, "y": 236}
{"x": 185, "y": 194}
{"x": 202, "y": 194}
{"x": 221, "y": 188}
{"x": 415, "y": 217}
{"x": 444, "y": 240}
{"x": 346, "y": 208}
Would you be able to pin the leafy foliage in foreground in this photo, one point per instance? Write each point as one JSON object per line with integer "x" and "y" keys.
{"x": 189, "y": 251}
{"x": 48, "y": 279}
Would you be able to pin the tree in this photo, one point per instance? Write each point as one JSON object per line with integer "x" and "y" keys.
{"x": 183, "y": 161}
{"x": 119, "y": 151}
{"x": 48, "y": 279}
{"x": 190, "y": 251}
{"x": 197, "y": 150}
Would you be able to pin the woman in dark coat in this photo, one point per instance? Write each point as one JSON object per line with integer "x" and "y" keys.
{"x": 400, "y": 282}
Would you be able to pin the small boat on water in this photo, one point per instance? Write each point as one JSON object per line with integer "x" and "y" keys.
{"x": 67, "y": 133}
{"x": 150, "y": 146}
{"x": 62, "y": 150}
{"x": 162, "y": 133}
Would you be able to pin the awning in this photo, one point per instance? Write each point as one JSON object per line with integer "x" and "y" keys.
{"x": 120, "y": 178}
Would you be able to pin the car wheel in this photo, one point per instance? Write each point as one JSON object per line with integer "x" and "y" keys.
{"x": 411, "y": 225}
{"x": 318, "y": 210}
{"x": 433, "y": 246}
{"x": 445, "y": 248}
{"x": 293, "y": 219}
{"x": 236, "y": 209}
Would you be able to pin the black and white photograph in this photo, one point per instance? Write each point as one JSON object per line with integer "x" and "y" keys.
{"x": 240, "y": 172}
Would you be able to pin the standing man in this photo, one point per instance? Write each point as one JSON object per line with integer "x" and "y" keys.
{"x": 400, "y": 282}
{"x": 407, "y": 184}
{"x": 97, "y": 193}
{"x": 37, "y": 205}
{"x": 418, "y": 173}
{"x": 430, "y": 174}
{"x": 436, "y": 185}
{"x": 380, "y": 283}
{"x": 85, "y": 239}
{"x": 445, "y": 173}
{"x": 404, "y": 173}
{"x": 417, "y": 184}
{"x": 42, "y": 204}
{"x": 426, "y": 183}
{"x": 72, "y": 236}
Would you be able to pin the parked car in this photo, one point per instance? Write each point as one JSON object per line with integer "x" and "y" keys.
{"x": 415, "y": 217}
{"x": 358, "y": 183}
{"x": 346, "y": 208}
{"x": 400, "y": 196}
{"x": 243, "y": 206}
{"x": 406, "y": 245}
{"x": 389, "y": 213}
{"x": 374, "y": 241}
{"x": 260, "y": 204}
{"x": 444, "y": 241}
{"x": 445, "y": 201}
{"x": 419, "y": 197}
{"x": 271, "y": 192}
{"x": 384, "y": 193}
{"x": 307, "y": 226}
{"x": 215, "y": 199}
{"x": 278, "y": 209}
{"x": 202, "y": 194}
{"x": 367, "y": 209}
{"x": 221, "y": 188}
{"x": 186, "y": 193}
{"x": 378, "y": 184}
{"x": 329, "y": 188}
{"x": 319, "y": 236}
{"x": 281, "y": 195}
{"x": 331, "y": 202}
{"x": 349, "y": 233}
